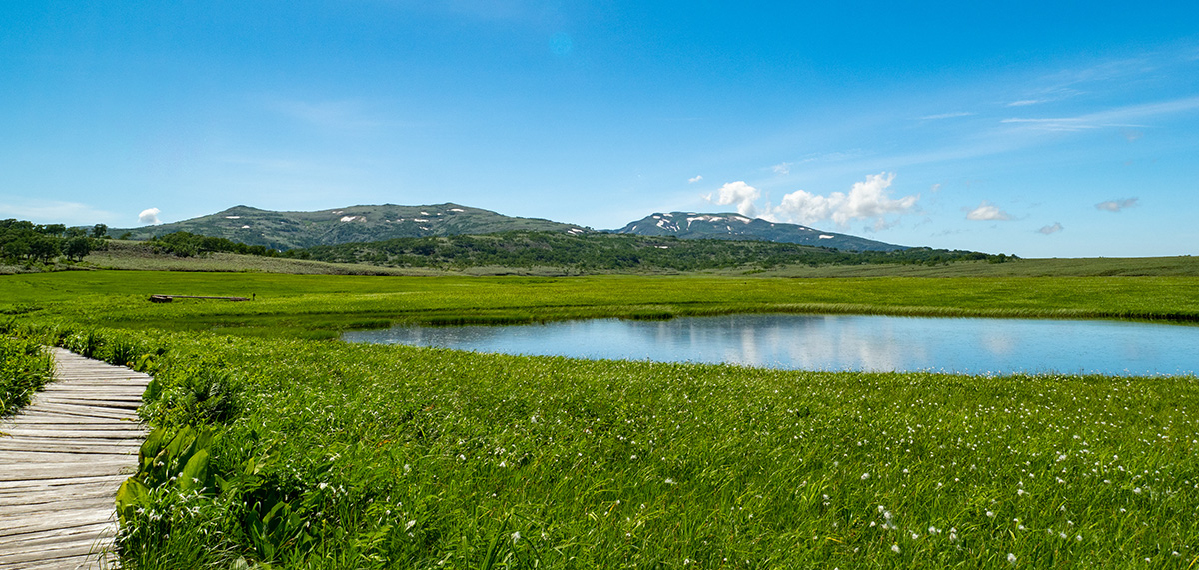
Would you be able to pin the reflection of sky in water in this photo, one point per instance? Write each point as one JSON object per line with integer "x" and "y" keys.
{"x": 841, "y": 342}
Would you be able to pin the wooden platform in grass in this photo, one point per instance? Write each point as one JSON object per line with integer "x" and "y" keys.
{"x": 62, "y": 459}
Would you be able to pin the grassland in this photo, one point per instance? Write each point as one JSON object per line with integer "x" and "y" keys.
{"x": 314, "y": 454}
{"x": 320, "y": 306}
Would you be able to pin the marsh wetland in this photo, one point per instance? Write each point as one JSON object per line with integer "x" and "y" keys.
{"x": 307, "y": 452}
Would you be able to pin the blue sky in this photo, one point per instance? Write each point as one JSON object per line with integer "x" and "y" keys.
{"x": 1058, "y": 129}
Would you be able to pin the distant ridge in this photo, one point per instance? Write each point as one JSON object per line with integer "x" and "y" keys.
{"x": 693, "y": 225}
{"x": 358, "y": 224}
{"x": 289, "y": 230}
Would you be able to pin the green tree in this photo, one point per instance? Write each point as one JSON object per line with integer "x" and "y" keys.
{"x": 44, "y": 248}
{"x": 77, "y": 247}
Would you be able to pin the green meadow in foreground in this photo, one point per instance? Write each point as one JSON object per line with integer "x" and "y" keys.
{"x": 269, "y": 450}
{"x": 305, "y": 454}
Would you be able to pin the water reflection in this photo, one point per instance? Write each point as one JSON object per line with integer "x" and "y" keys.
{"x": 841, "y": 342}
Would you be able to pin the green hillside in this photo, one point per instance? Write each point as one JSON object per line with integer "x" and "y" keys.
{"x": 604, "y": 252}
{"x": 288, "y": 230}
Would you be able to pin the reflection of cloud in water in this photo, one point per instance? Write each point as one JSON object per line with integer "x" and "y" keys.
{"x": 997, "y": 343}
{"x": 838, "y": 342}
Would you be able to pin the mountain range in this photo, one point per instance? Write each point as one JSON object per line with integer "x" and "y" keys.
{"x": 290, "y": 230}
{"x": 685, "y": 225}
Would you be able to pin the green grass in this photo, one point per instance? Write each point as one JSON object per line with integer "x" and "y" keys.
{"x": 330, "y": 455}
{"x": 306, "y": 305}
{"x": 315, "y": 454}
{"x": 24, "y": 368}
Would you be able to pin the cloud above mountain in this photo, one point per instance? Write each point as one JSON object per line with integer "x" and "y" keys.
{"x": 869, "y": 199}
{"x": 738, "y": 193}
{"x": 149, "y": 216}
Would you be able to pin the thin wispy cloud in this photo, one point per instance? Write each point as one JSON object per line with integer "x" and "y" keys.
{"x": 953, "y": 115}
{"x": 1047, "y": 230}
{"x": 1056, "y": 124}
{"x": 782, "y": 168}
{"x": 695, "y": 179}
{"x": 1026, "y": 102}
{"x": 343, "y": 115}
{"x": 1122, "y": 117}
{"x": 1117, "y": 205}
{"x": 986, "y": 211}
{"x": 56, "y": 211}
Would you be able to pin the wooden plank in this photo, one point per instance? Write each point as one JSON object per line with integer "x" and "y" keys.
{"x": 87, "y": 533}
{"x": 63, "y": 481}
{"x": 59, "y": 469}
{"x": 44, "y": 417}
{"x": 102, "y": 504}
{"x": 124, "y": 448}
{"x": 49, "y": 456}
{"x": 61, "y": 433}
{"x": 51, "y": 495}
{"x": 86, "y": 411}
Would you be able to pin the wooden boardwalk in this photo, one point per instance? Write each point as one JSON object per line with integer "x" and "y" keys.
{"x": 61, "y": 461}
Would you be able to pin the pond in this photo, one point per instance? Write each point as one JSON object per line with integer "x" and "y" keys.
{"x": 840, "y": 342}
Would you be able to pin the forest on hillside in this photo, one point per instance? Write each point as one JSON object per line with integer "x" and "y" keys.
{"x": 611, "y": 252}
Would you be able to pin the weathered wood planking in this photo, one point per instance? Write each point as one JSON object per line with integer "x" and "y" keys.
{"x": 61, "y": 461}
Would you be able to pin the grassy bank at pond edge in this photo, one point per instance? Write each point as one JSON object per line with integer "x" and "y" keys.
{"x": 321, "y": 305}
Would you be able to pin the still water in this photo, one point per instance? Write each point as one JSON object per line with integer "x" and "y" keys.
{"x": 840, "y": 342}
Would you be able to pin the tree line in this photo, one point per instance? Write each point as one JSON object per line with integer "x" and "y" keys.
{"x": 25, "y": 242}
{"x": 613, "y": 252}
{"x": 187, "y": 244}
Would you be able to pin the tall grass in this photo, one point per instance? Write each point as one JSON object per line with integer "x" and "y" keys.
{"x": 25, "y": 367}
{"x": 329, "y": 455}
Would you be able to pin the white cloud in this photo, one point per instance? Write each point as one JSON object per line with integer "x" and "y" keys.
{"x": 1117, "y": 205}
{"x": 695, "y": 179}
{"x": 149, "y": 216}
{"x": 738, "y": 193}
{"x": 868, "y": 199}
{"x": 935, "y": 187}
{"x": 1057, "y": 227}
{"x": 1026, "y": 102}
{"x": 988, "y": 212}
{"x": 782, "y": 168}
{"x": 954, "y": 115}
